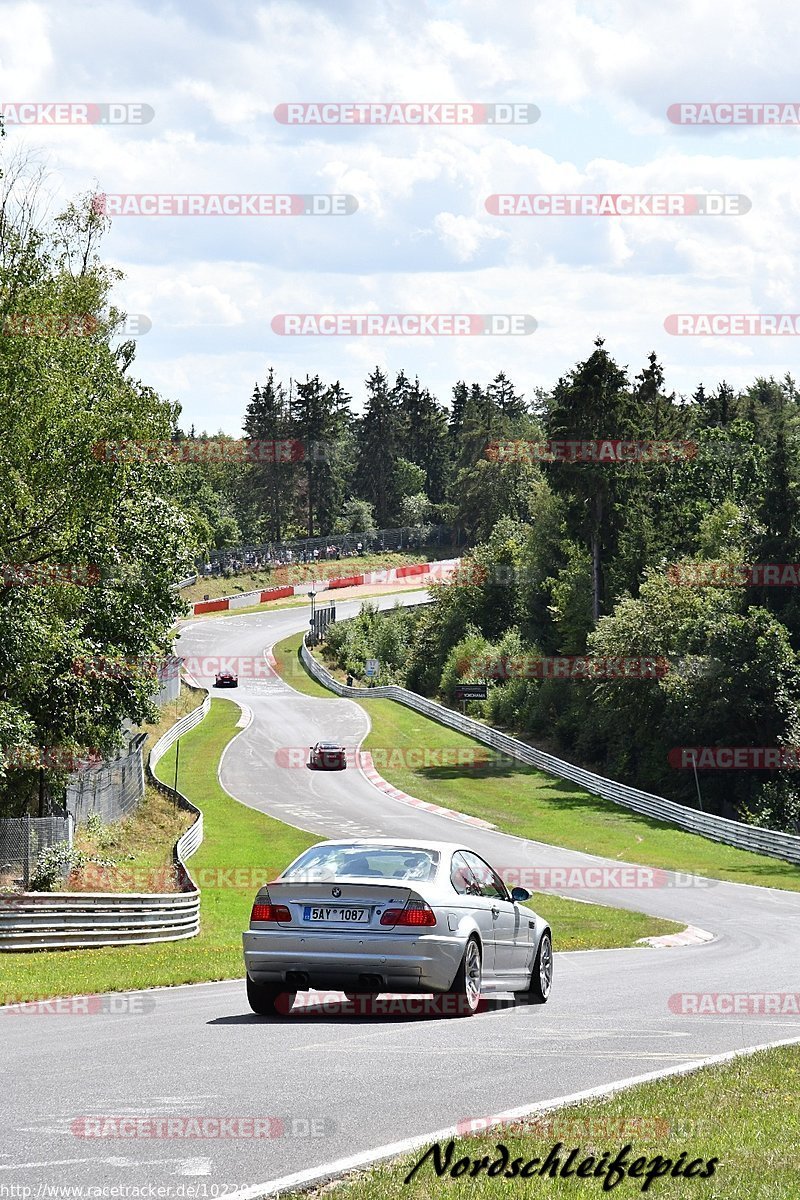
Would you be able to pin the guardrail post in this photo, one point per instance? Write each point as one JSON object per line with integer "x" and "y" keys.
{"x": 26, "y": 854}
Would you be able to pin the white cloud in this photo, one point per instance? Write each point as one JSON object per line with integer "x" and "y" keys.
{"x": 603, "y": 73}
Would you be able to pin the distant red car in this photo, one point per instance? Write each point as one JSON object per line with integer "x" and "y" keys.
{"x": 226, "y": 679}
{"x": 327, "y": 756}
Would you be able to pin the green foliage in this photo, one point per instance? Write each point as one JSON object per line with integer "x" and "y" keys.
{"x": 56, "y": 862}
{"x": 115, "y": 524}
{"x": 372, "y": 634}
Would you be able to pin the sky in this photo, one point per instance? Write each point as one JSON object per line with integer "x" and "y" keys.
{"x": 420, "y": 239}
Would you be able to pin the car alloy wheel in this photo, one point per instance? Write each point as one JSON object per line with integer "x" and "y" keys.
{"x": 465, "y": 993}
{"x": 545, "y": 957}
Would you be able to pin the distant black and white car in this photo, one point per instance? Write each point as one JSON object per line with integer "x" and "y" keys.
{"x": 226, "y": 679}
{"x": 327, "y": 756}
{"x": 368, "y": 916}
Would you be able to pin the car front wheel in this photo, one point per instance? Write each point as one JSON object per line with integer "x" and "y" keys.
{"x": 263, "y": 998}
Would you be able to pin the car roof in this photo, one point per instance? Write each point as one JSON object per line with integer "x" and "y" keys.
{"x": 405, "y": 843}
{"x": 330, "y": 745}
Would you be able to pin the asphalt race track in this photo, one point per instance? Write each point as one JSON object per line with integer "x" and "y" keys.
{"x": 341, "y": 1083}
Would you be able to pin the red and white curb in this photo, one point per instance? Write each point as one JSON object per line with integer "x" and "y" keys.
{"x": 385, "y": 576}
{"x": 690, "y": 936}
{"x": 368, "y": 771}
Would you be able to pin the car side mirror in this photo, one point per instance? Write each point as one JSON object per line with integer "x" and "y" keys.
{"x": 519, "y": 894}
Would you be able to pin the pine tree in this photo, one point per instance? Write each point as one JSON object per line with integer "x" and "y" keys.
{"x": 268, "y": 482}
{"x": 507, "y": 403}
{"x": 424, "y": 434}
{"x": 378, "y": 445}
{"x": 460, "y": 393}
{"x": 591, "y": 402}
{"x": 318, "y": 415}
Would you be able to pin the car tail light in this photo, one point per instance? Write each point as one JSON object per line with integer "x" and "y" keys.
{"x": 416, "y": 912}
{"x": 270, "y": 912}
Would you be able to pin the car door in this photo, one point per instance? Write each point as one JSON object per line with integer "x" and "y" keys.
{"x": 471, "y": 898}
{"x": 511, "y": 926}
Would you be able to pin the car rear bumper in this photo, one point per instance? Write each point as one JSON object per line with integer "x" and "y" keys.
{"x": 425, "y": 963}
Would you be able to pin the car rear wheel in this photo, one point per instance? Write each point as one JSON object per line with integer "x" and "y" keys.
{"x": 465, "y": 994}
{"x": 542, "y": 974}
{"x": 263, "y": 998}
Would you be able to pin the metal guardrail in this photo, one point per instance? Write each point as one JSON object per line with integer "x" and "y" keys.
{"x": 719, "y": 829}
{"x": 190, "y": 841}
{"x": 78, "y": 920}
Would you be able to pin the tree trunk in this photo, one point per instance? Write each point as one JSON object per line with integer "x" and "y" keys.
{"x": 597, "y": 576}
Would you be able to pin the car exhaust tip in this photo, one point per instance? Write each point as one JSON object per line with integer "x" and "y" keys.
{"x": 298, "y": 979}
{"x": 371, "y": 983}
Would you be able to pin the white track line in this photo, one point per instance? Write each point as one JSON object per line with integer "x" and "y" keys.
{"x": 302, "y": 1179}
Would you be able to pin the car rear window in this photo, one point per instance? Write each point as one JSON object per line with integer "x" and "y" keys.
{"x": 373, "y": 862}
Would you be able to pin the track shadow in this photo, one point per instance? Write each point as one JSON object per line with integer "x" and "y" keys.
{"x": 370, "y": 1011}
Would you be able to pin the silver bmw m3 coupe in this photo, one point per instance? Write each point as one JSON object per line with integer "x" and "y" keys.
{"x": 369, "y": 916}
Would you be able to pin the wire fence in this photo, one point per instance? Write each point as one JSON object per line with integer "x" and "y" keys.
{"x": 112, "y": 789}
{"x": 169, "y": 678}
{"x": 265, "y": 555}
{"x": 22, "y": 840}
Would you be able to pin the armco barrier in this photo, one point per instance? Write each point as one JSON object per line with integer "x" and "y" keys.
{"x": 79, "y": 920}
{"x": 719, "y": 829}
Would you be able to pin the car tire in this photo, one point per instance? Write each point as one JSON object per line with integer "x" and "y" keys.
{"x": 542, "y": 974}
{"x": 464, "y": 996}
{"x": 263, "y": 998}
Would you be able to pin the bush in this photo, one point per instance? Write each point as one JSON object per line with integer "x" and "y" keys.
{"x": 59, "y": 861}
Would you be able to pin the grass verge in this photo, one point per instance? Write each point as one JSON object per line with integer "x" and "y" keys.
{"x": 140, "y": 846}
{"x": 745, "y": 1114}
{"x": 579, "y": 926}
{"x": 242, "y": 848}
{"x": 526, "y": 802}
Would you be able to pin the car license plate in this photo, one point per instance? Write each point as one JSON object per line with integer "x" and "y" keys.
{"x": 337, "y": 913}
